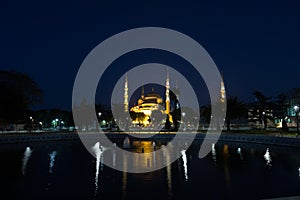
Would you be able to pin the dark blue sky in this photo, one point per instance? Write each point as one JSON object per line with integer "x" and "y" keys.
{"x": 255, "y": 44}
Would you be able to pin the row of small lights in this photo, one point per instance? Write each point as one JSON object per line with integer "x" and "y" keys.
{"x": 31, "y": 119}
{"x": 53, "y": 121}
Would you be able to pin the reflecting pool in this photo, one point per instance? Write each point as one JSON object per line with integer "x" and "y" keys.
{"x": 65, "y": 170}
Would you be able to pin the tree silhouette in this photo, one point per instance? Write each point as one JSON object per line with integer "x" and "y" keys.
{"x": 262, "y": 105}
{"x": 19, "y": 92}
{"x": 235, "y": 109}
{"x": 205, "y": 113}
{"x": 168, "y": 123}
{"x": 281, "y": 105}
{"x": 157, "y": 117}
{"x": 176, "y": 112}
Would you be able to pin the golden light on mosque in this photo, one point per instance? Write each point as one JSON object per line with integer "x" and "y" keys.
{"x": 142, "y": 113}
{"x": 150, "y": 108}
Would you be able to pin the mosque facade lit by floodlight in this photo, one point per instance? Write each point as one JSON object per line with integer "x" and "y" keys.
{"x": 147, "y": 104}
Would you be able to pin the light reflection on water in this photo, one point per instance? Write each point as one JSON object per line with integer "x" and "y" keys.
{"x": 52, "y": 156}
{"x": 145, "y": 147}
{"x": 226, "y": 156}
{"x": 214, "y": 153}
{"x": 124, "y": 177}
{"x": 268, "y": 158}
{"x": 238, "y": 165}
{"x": 26, "y": 157}
{"x": 114, "y": 156}
{"x": 184, "y": 159}
{"x": 98, "y": 150}
{"x": 239, "y": 151}
{"x": 167, "y": 159}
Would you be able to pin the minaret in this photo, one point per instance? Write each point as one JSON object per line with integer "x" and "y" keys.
{"x": 177, "y": 90}
{"x": 167, "y": 94}
{"x": 126, "y": 94}
{"x": 222, "y": 91}
{"x": 177, "y": 93}
{"x": 143, "y": 92}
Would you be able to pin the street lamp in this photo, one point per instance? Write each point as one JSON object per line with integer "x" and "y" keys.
{"x": 264, "y": 120}
{"x": 41, "y": 124}
{"x": 31, "y": 121}
{"x": 296, "y": 108}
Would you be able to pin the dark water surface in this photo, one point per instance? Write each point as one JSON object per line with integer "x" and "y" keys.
{"x": 65, "y": 170}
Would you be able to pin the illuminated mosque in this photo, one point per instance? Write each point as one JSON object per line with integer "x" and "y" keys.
{"x": 151, "y": 102}
{"x": 147, "y": 104}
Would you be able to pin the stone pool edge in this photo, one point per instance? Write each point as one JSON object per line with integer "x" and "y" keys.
{"x": 230, "y": 137}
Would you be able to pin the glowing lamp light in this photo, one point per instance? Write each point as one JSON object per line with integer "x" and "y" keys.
{"x": 296, "y": 108}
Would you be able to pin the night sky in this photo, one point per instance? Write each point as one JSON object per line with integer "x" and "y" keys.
{"x": 255, "y": 44}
